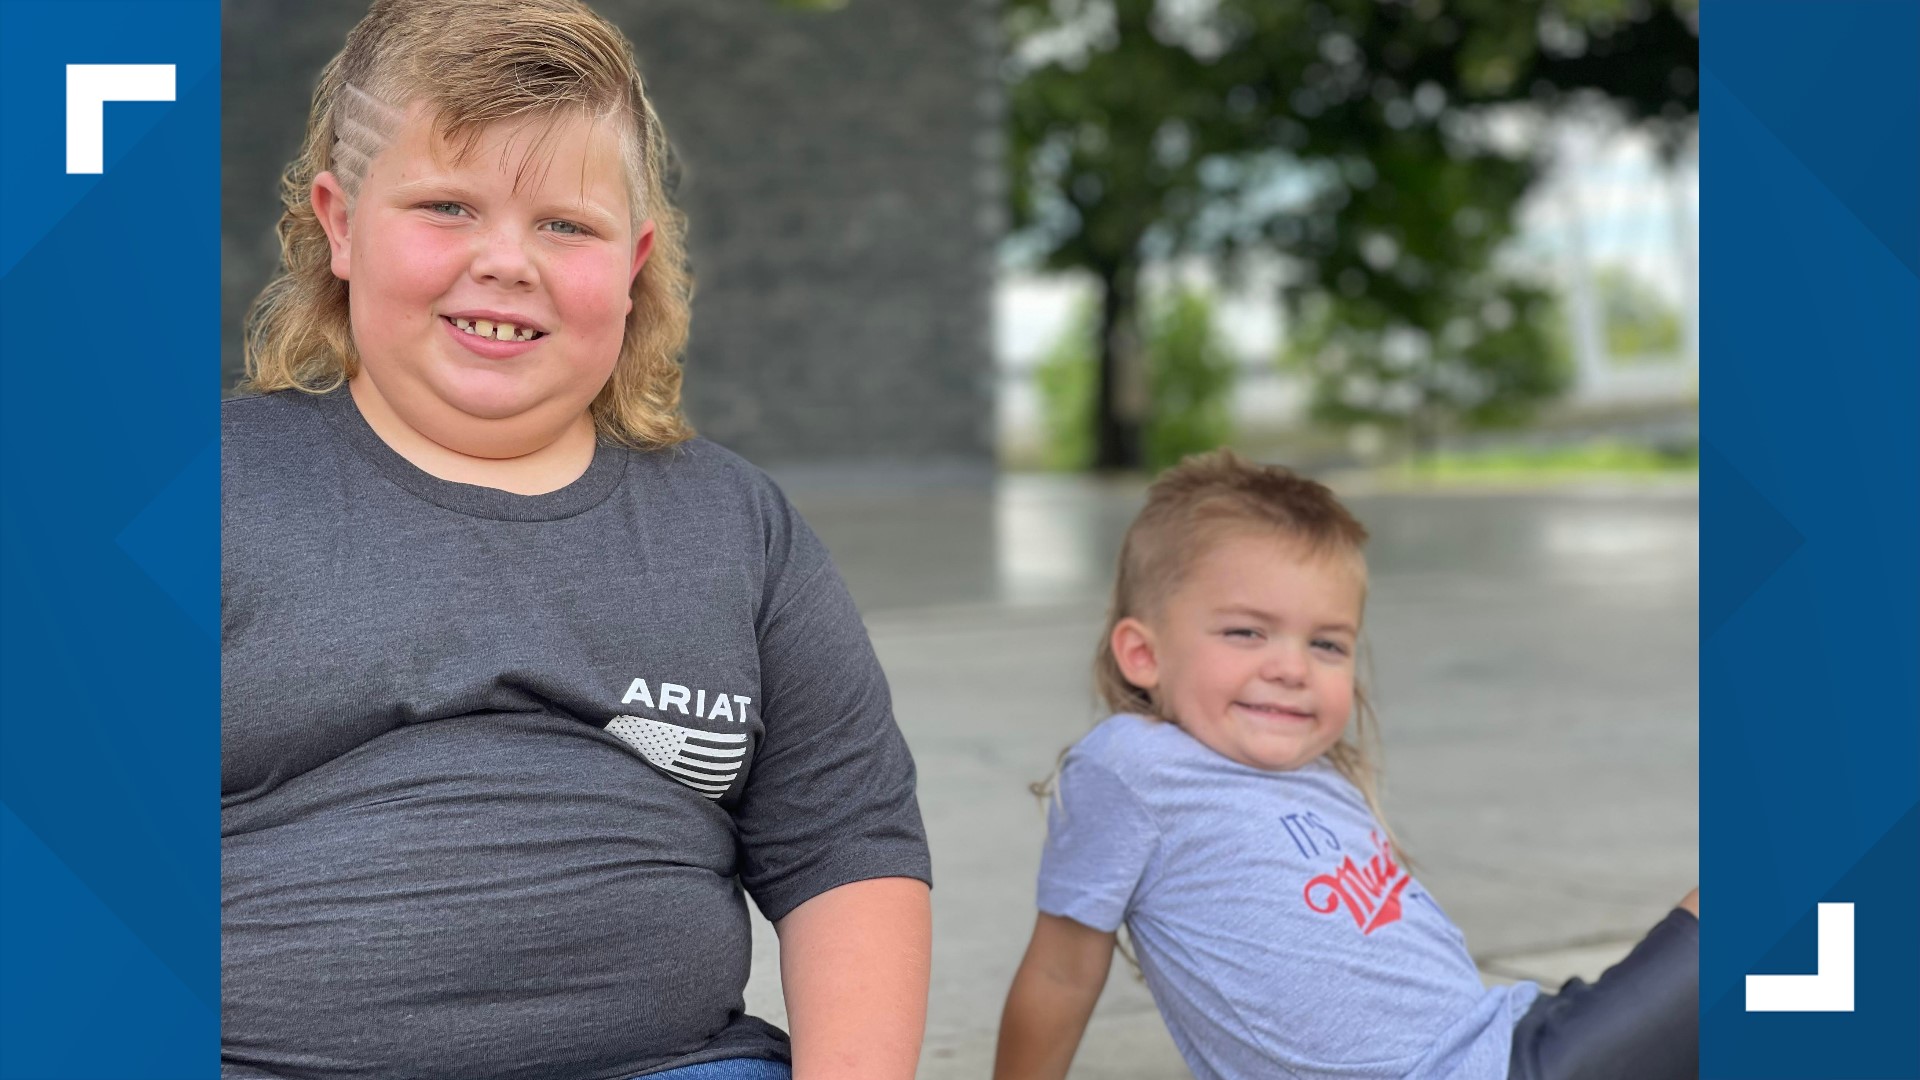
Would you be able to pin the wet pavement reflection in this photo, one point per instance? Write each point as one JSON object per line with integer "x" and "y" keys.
{"x": 1029, "y": 540}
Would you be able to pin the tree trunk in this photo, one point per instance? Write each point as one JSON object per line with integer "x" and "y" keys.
{"x": 1121, "y": 395}
{"x": 1425, "y": 426}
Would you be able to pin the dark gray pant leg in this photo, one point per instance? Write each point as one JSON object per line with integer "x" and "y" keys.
{"x": 1639, "y": 1021}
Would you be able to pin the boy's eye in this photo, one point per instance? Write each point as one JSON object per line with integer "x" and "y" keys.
{"x": 1329, "y": 646}
{"x": 450, "y": 209}
{"x": 568, "y": 228}
{"x": 1244, "y": 633}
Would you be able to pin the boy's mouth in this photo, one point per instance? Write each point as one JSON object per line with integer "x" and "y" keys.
{"x": 1277, "y": 712}
{"x": 493, "y": 330}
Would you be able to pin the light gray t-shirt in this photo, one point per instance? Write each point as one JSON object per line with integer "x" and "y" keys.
{"x": 495, "y": 768}
{"x": 1279, "y": 936}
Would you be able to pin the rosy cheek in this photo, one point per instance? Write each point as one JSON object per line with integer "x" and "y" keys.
{"x": 588, "y": 285}
{"x": 408, "y": 269}
{"x": 426, "y": 257}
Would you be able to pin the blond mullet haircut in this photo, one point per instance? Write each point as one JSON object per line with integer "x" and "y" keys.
{"x": 1192, "y": 507}
{"x": 473, "y": 64}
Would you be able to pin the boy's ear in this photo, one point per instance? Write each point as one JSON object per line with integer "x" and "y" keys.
{"x": 1133, "y": 650}
{"x": 642, "y": 247}
{"x": 330, "y": 206}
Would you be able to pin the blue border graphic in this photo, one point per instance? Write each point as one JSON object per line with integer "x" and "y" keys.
{"x": 1810, "y": 521}
{"x": 1810, "y": 527}
{"x": 109, "y": 663}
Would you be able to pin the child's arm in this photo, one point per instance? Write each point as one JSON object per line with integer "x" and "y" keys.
{"x": 854, "y": 965}
{"x": 1052, "y": 997}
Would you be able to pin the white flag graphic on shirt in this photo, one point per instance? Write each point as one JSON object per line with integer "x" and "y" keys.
{"x": 706, "y": 761}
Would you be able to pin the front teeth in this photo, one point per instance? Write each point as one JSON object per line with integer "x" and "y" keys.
{"x": 503, "y": 331}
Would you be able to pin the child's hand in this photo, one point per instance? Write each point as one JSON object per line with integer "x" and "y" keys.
{"x": 1691, "y": 902}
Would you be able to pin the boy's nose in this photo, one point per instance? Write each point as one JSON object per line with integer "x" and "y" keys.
{"x": 1286, "y": 664}
{"x": 502, "y": 259}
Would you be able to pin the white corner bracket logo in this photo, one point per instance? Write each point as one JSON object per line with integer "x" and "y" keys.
{"x": 89, "y": 88}
{"x": 1830, "y": 988}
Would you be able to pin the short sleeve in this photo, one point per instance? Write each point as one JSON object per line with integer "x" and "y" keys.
{"x": 830, "y": 799}
{"x": 1100, "y": 838}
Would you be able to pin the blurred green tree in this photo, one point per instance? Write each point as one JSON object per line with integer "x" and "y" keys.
{"x": 1640, "y": 323}
{"x": 1501, "y": 352}
{"x": 1192, "y": 379}
{"x": 1064, "y": 380}
{"x": 1353, "y": 137}
{"x": 1192, "y": 384}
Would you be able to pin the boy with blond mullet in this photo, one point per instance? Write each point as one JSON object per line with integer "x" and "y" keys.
{"x": 1226, "y": 814}
{"x": 525, "y": 689}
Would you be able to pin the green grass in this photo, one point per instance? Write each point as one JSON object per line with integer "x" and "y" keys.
{"x": 1598, "y": 460}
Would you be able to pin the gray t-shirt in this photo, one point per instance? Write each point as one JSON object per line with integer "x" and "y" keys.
{"x": 1278, "y": 935}
{"x": 495, "y": 768}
